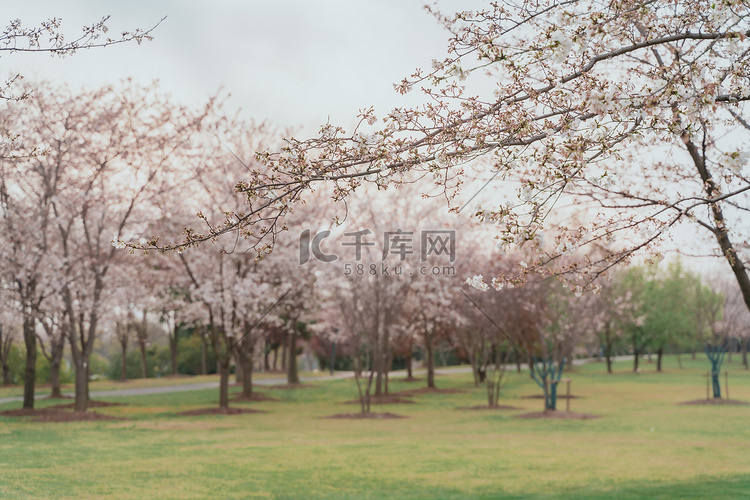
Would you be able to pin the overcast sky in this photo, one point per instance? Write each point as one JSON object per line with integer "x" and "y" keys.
{"x": 293, "y": 62}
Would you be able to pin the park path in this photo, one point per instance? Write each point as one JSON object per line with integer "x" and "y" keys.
{"x": 145, "y": 391}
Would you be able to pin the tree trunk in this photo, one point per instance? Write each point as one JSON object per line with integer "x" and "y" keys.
{"x": 247, "y": 377}
{"x": 266, "y": 352}
{"x": 81, "y": 385}
{"x": 292, "y": 376}
{"x": 608, "y": 356}
{"x": 388, "y": 364}
{"x": 29, "y": 378}
{"x": 204, "y": 355}
{"x": 54, "y": 379}
{"x": 635, "y": 360}
{"x": 239, "y": 366}
{"x": 275, "y": 358}
{"x": 744, "y": 352}
{"x": 430, "y": 361}
{"x": 224, "y": 382}
{"x": 5, "y": 345}
{"x": 659, "y": 354}
{"x": 379, "y": 368}
{"x": 124, "y": 367}
{"x": 409, "y": 374}
{"x": 721, "y": 231}
{"x": 173, "y": 350}
{"x": 284, "y": 353}
{"x": 144, "y": 364}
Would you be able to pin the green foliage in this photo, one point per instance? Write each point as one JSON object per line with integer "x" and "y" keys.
{"x": 157, "y": 363}
{"x": 17, "y": 365}
{"x": 189, "y": 351}
{"x": 671, "y": 307}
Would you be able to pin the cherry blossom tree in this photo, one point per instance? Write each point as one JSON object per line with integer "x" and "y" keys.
{"x": 632, "y": 110}
{"x": 77, "y": 197}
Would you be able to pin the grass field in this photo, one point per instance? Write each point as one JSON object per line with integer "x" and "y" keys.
{"x": 644, "y": 444}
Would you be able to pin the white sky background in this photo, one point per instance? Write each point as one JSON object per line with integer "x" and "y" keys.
{"x": 294, "y": 63}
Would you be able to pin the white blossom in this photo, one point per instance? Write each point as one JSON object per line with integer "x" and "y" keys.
{"x": 478, "y": 283}
{"x": 735, "y": 161}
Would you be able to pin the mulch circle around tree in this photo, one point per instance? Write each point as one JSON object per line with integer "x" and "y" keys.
{"x": 429, "y": 390}
{"x": 384, "y": 399}
{"x": 558, "y": 414}
{"x": 71, "y": 416}
{"x": 219, "y": 411}
{"x": 559, "y": 396}
{"x": 412, "y": 379}
{"x": 486, "y": 407}
{"x": 371, "y": 415}
{"x": 255, "y": 396}
{"x": 90, "y": 404}
{"x": 714, "y": 401}
{"x": 292, "y": 386}
{"x": 53, "y": 414}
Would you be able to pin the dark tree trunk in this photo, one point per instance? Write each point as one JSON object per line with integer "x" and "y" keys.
{"x": 275, "y": 357}
{"x": 29, "y": 378}
{"x": 81, "y": 385}
{"x": 5, "y": 345}
{"x": 239, "y": 366}
{"x": 292, "y": 376}
{"x": 124, "y": 367}
{"x": 266, "y": 352}
{"x": 744, "y": 351}
{"x": 409, "y": 374}
{"x": 379, "y": 368}
{"x": 204, "y": 355}
{"x": 636, "y": 353}
{"x": 247, "y": 377}
{"x": 173, "y": 349}
{"x": 430, "y": 361}
{"x": 54, "y": 379}
{"x": 720, "y": 229}
{"x": 388, "y": 364}
{"x": 608, "y": 354}
{"x": 284, "y": 353}
{"x": 144, "y": 363}
{"x": 224, "y": 382}
{"x": 659, "y": 354}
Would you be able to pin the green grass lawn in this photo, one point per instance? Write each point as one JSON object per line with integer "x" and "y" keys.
{"x": 644, "y": 444}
